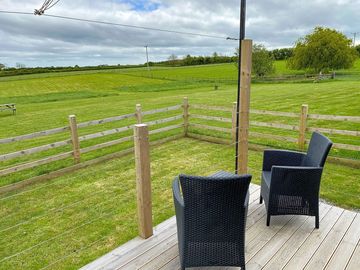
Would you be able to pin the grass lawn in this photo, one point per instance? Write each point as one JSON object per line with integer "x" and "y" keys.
{"x": 44, "y": 101}
{"x": 72, "y": 220}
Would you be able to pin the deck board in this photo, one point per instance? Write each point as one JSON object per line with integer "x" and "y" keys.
{"x": 291, "y": 242}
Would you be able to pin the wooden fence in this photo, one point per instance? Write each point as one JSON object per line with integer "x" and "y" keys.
{"x": 301, "y": 129}
{"x": 185, "y": 115}
{"x": 75, "y": 139}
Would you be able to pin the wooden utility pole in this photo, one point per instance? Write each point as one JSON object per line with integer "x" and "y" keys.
{"x": 143, "y": 180}
{"x": 245, "y": 82}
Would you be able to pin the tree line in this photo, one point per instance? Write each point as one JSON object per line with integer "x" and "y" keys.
{"x": 323, "y": 50}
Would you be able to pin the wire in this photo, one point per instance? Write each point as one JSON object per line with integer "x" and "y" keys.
{"x": 74, "y": 252}
{"x": 54, "y": 210}
{"x": 69, "y": 230}
{"x": 122, "y": 25}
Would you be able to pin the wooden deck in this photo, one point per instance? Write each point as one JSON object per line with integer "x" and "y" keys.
{"x": 290, "y": 243}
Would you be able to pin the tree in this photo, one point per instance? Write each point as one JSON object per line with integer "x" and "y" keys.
{"x": 262, "y": 60}
{"x": 172, "y": 59}
{"x": 323, "y": 50}
{"x": 358, "y": 49}
{"x": 20, "y": 65}
{"x": 282, "y": 54}
{"x": 2, "y": 66}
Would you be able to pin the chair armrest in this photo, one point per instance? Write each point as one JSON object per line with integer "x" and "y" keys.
{"x": 281, "y": 158}
{"x": 178, "y": 199}
{"x": 246, "y": 203}
{"x": 179, "y": 212}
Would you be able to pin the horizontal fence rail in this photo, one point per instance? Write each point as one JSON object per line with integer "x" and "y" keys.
{"x": 212, "y": 108}
{"x": 286, "y": 114}
{"x": 34, "y": 135}
{"x": 172, "y": 108}
{"x": 34, "y": 150}
{"x": 36, "y": 163}
{"x": 106, "y": 120}
{"x": 334, "y": 117}
{"x": 214, "y": 118}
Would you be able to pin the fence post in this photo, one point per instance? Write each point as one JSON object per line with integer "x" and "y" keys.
{"x": 243, "y": 144}
{"x": 302, "y": 126}
{"x": 143, "y": 180}
{"x": 233, "y": 122}
{"x": 74, "y": 138}
{"x": 138, "y": 114}
{"x": 186, "y": 115}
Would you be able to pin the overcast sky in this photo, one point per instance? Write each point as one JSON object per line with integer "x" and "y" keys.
{"x": 44, "y": 41}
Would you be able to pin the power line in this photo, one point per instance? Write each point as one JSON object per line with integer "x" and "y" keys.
{"x": 121, "y": 25}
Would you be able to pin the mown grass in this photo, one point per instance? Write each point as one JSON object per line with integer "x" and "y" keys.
{"x": 72, "y": 220}
{"x": 45, "y": 102}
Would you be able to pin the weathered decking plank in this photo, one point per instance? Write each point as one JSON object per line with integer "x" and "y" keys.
{"x": 287, "y": 251}
{"x": 290, "y": 242}
{"x": 331, "y": 242}
{"x": 309, "y": 247}
{"x": 347, "y": 246}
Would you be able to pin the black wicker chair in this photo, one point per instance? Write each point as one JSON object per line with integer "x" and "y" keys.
{"x": 291, "y": 180}
{"x": 211, "y": 216}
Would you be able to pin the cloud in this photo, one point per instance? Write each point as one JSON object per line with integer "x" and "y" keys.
{"x": 46, "y": 41}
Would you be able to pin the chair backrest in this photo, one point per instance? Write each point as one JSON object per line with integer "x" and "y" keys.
{"x": 318, "y": 150}
{"x": 214, "y": 204}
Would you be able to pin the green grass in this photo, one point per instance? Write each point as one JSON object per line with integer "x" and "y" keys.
{"x": 44, "y": 102}
{"x": 72, "y": 220}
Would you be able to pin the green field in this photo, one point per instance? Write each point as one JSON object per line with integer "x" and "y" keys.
{"x": 70, "y": 221}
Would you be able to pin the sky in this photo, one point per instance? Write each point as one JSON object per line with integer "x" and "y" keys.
{"x": 45, "y": 41}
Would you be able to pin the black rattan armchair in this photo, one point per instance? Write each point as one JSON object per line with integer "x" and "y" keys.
{"x": 211, "y": 218}
{"x": 291, "y": 180}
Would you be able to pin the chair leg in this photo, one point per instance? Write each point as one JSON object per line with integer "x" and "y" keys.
{"x": 317, "y": 221}
{"x": 261, "y": 199}
{"x": 268, "y": 220}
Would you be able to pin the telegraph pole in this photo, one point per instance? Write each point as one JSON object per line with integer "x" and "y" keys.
{"x": 241, "y": 38}
{"x": 354, "y": 40}
{"x": 147, "y": 59}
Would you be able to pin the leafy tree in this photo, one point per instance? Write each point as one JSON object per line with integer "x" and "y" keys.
{"x": 323, "y": 50}
{"x": 262, "y": 60}
{"x": 358, "y": 49}
{"x": 282, "y": 54}
{"x": 2, "y": 66}
{"x": 172, "y": 59}
{"x": 215, "y": 57}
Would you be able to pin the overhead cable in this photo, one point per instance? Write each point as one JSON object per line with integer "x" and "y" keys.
{"x": 122, "y": 25}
